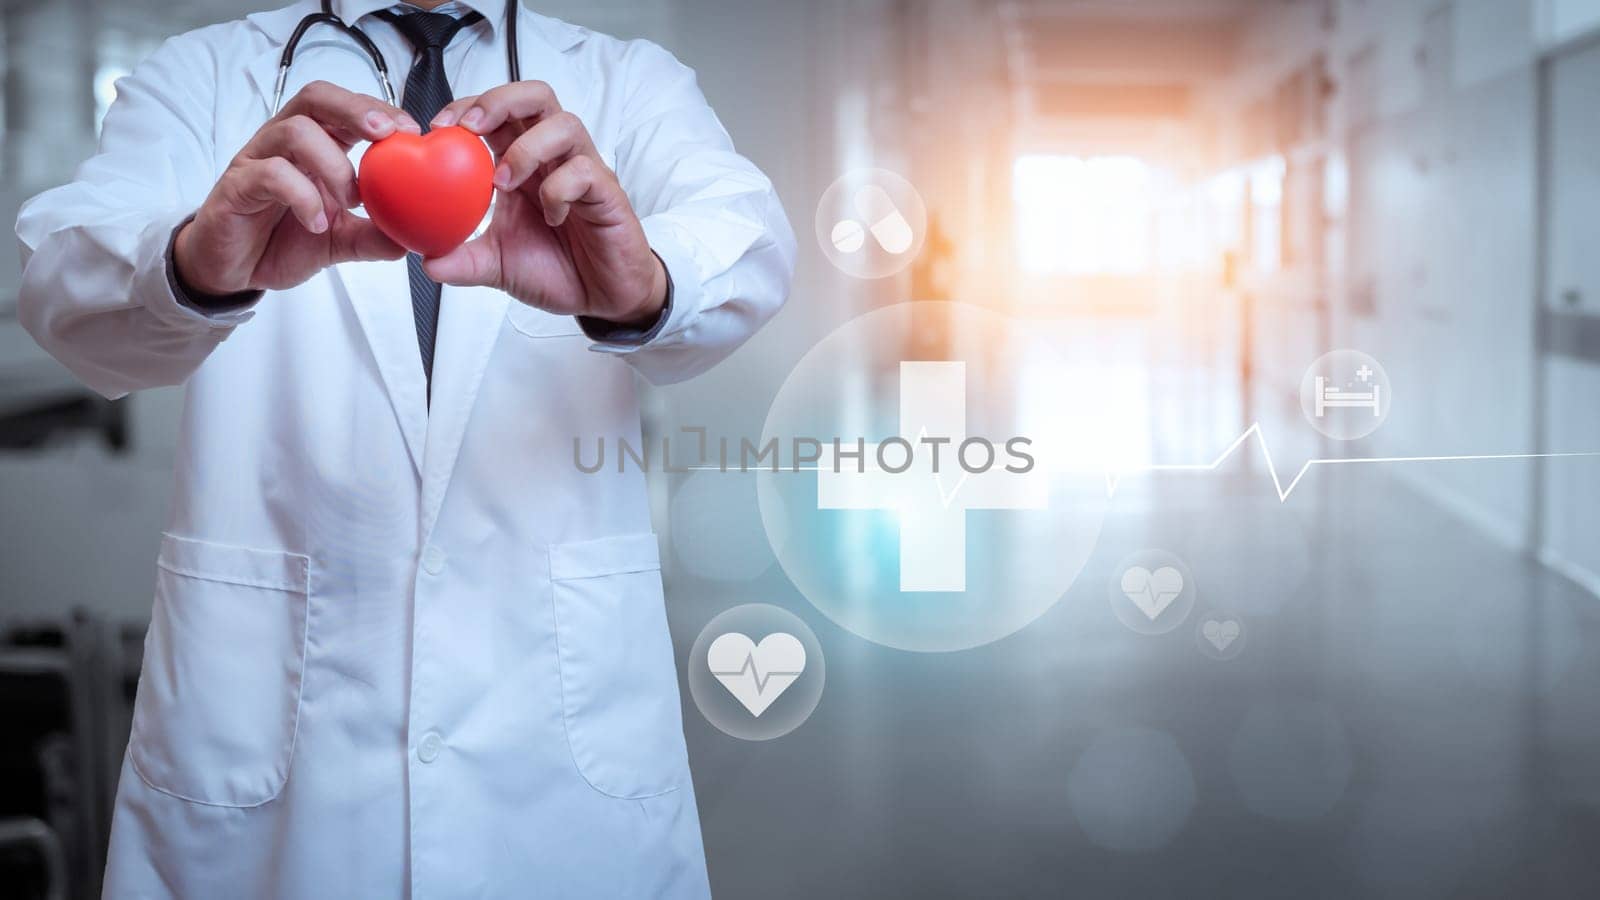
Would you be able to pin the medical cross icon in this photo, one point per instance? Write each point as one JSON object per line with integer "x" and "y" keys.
{"x": 1364, "y": 373}
{"x": 932, "y": 507}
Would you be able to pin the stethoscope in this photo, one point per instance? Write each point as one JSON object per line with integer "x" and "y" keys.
{"x": 328, "y": 17}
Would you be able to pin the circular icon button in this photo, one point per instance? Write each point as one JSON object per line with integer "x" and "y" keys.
{"x": 1345, "y": 395}
{"x": 1152, "y": 591}
{"x": 871, "y": 223}
{"x": 959, "y": 526}
{"x": 1221, "y": 635}
{"x": 756, "y": 672}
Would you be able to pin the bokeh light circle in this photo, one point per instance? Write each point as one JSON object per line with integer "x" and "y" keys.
{"x": 716, "y": 528}
{"x": 1131, "y": 790}
{"x": 1291, "y": 760}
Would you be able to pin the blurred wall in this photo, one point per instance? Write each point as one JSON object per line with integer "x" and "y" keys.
{"x": 1432, "y": 152}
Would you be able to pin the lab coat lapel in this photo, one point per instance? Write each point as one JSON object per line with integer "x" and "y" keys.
{"x": 469, "y": 324}
{"x": 544, "y": 42}
{"x": 380, "y": 294}
{"x": 263, "y": 72}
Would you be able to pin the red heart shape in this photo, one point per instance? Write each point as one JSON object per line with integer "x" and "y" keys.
{"x": 429, "y": 192}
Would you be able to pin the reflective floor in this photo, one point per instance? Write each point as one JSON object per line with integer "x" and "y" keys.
{"x": 1413, "y": 715}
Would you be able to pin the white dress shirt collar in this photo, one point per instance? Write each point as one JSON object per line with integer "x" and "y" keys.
{"x": 494, "y": 11}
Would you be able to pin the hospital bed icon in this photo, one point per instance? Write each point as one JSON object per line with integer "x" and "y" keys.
{"x": 1329, "y": 397}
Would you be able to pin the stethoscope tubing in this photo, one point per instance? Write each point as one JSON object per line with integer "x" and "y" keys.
{"x": 328, "y": 17}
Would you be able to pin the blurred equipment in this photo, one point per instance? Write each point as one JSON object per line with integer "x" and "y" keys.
{"x": 40, "y": 401}
{"x": 33, "y": 837}
{"x": 66, "y": 694}
{"x": 29, "y": 420}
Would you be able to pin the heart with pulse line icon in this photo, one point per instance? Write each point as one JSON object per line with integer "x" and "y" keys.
{"x": 1151, "y": 591}
{"x": 1220, "y": 634}
{"x": 756, "y": 674}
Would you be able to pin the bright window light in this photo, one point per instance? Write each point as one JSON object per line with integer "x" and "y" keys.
{"x": 1094, "y": 216}
{"x": 1266, "y": 198}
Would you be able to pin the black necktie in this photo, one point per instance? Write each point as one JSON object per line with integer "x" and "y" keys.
{"x": 427, "y": 92}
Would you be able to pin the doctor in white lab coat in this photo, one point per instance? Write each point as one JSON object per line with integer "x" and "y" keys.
{"x": 400, "y": 645}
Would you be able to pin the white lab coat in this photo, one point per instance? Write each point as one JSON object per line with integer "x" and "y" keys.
{"x": 394, "y": 651}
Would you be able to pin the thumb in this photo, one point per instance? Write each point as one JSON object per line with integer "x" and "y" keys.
{"x": 358, "y": 239}
{"x": 472, "y": 264}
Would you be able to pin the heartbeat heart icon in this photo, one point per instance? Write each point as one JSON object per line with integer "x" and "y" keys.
{"x": 1152, "y": 592}
{"x": 756, "y": 674}
{"x": 1220, "y": 634}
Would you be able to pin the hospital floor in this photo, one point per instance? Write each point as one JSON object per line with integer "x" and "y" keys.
{"x": 1416, "y": 713}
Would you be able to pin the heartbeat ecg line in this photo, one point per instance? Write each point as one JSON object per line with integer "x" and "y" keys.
{"x": 749, "y": 668}
{"x": 1114, "y": 478}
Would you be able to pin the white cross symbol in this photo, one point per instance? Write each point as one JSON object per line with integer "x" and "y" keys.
{"x": 1364, "y": 373}
{"x": 933, "y": 522}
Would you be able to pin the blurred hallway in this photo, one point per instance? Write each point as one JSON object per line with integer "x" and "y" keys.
{"x": 1195, "y": 199}
{"x": 1414, "y": 716}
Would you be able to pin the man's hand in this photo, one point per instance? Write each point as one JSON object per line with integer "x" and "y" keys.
{"x": 280, "y": 213}
{"x": 564, "y": 237}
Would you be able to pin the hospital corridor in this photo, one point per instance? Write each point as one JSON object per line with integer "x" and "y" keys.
{"x": 1173, "y": 471}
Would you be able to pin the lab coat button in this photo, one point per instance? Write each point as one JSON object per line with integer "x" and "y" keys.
{"x": 428, "y": 749}
{"x": 433, "y": 559}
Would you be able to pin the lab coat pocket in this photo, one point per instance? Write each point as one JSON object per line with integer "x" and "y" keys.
{"x": 536, "y": 323}
{"x": 619, "y": 685}
{"x": 219, "y": 697}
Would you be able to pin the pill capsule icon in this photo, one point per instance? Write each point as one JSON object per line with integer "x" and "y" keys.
{"x": 887, "y": 225}
{"x": 849, "y": 236}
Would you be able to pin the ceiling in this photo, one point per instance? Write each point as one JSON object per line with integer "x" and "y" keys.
{"x": 1161, "y": 10}
{"x": 1136, "y": 61}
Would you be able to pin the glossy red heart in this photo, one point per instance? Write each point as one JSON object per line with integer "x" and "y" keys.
{"x": 428, "y": 193}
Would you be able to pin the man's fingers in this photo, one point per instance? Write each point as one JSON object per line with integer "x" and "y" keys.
{"x": 520, "y": 100}
{"x": 578, "y": 180}
{"x": 551, "y": 142}
{"x": 263, "y": 183}
{"x": 355, "y": 239}
{"x": 501, "y": 139}
{"x": 349, "y": 117}
{"x": 472, "y": 264}
{"x": 302, "y": 141}
{"x": 451, "y": 113}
